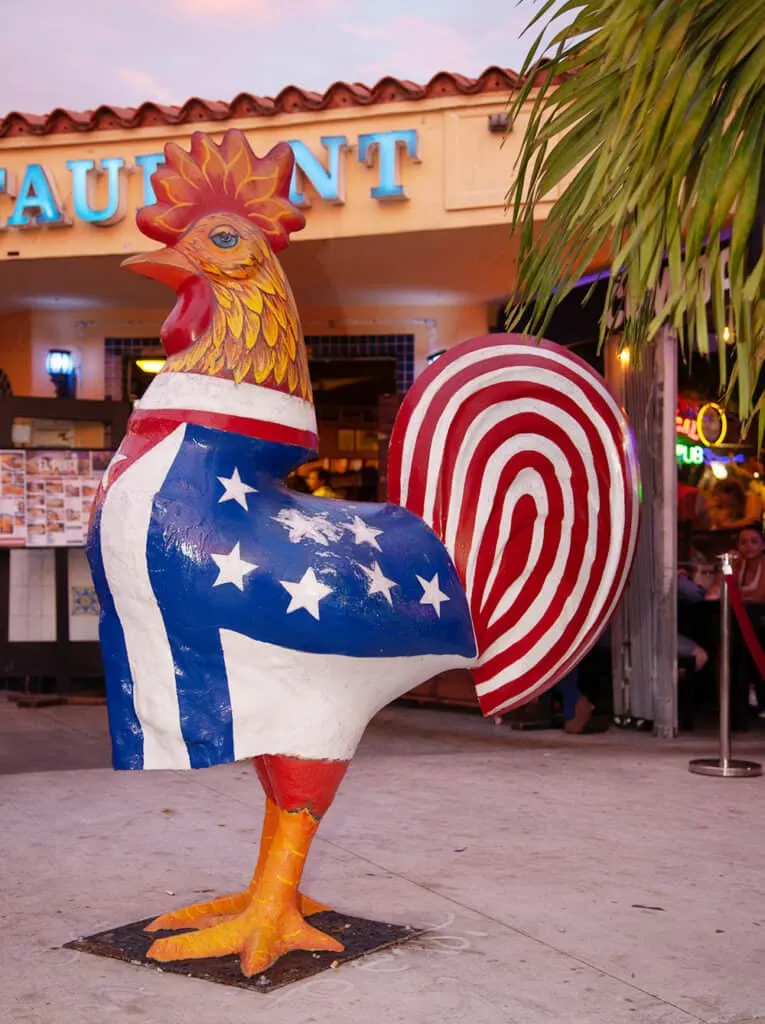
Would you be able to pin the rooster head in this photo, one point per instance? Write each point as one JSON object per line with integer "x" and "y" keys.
{"x": 223, "y": 214}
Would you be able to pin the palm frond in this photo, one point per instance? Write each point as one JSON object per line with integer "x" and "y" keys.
{"x": 646, "y": 127}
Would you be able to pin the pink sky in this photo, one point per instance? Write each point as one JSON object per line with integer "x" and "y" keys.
{"x": 81, "y": 53}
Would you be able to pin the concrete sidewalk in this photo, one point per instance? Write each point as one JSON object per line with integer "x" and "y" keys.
{"x": 564, "y": 879}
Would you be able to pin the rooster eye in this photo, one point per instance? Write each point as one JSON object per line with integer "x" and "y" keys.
{"x": 224, "y": 238}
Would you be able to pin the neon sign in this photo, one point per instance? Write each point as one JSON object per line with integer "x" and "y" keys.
{"x": 699, "y": 455}
{"x": 689, "y": 454}
{"x": 37, "y": 203}
{"x": 687, "y": 427}
{"x": 719, "y": 423}
{"x": 709, "y": 426}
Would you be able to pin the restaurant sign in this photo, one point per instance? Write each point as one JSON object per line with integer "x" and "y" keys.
{"x": 36, "y": 197}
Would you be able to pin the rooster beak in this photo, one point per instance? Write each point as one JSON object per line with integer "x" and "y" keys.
{"x": 167, "y": 266}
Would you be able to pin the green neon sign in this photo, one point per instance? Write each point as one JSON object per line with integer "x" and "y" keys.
{"x": 689, "y": 454}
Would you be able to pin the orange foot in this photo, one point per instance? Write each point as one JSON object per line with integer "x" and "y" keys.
{"x": 260, "y": 935}
{"x": 218, "y": 911}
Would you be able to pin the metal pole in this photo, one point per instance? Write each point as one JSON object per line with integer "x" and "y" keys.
{"x": 725, "y": 766}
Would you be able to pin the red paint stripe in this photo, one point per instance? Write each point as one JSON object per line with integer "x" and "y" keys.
{"x": 490, "y": 384}
{"x": 563, "y": 648}
{"x": 296, "y": 784}
{"x": 570, "y": 571}
{"x": 262, "y": 429}
{"x": 135, "y": 444}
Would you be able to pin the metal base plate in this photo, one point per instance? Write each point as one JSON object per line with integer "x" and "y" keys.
{"x": 725, "y": 769}
{"x": 359, "y": 936}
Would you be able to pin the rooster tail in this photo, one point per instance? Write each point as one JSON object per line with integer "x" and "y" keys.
{"x": 518, "y": 458}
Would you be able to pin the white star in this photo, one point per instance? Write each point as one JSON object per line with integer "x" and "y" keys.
{"x": 232, "y": 568}
{"x": 234, "y": 489}
{"x": 304, "y": 527}
{"x": 306, "y": 594}
{"x": 378, "y": 582}
{"x": 431, "y": 593}
{"x": 363, "y": 533}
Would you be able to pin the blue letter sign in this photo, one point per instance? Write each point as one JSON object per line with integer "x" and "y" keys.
{"x": 328, "y": 183}
{"x": 387, "y": 145}
{"x": 82, "y": 191}
{"x": 37, "y": 193}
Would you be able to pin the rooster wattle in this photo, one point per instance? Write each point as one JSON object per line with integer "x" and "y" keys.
{"x": 242, "y": 620}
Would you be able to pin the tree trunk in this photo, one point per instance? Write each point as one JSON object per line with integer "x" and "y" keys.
{"x": 644, "y": 629}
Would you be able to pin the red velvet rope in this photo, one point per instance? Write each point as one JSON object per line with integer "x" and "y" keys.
{"x": 745, "y": 624}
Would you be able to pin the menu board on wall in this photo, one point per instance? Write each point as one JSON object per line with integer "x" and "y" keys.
{"x": 45, "y": 496}
{"x": 13, "y": 516}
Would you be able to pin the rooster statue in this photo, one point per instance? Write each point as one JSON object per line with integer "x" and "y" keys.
{"x": 240, "y": 619}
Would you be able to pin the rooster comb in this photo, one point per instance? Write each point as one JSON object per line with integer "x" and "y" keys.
{"x": 228, "y": 178}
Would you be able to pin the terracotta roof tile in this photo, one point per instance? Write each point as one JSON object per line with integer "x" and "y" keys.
{"x": 289, "y": 101}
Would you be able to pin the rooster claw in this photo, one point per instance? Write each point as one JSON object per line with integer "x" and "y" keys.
{"x": 260, "y": 939}
{"x": 218, "y": 911}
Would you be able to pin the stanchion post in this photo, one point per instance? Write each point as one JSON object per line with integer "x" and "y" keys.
{"x": 725, "y": 766}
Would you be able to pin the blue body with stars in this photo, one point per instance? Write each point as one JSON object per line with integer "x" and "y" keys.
{"x": 289, "y": 538}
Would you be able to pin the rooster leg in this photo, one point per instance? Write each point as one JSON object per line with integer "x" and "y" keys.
{"x": 222, "y": 908}
{"x": 272, "y": 923}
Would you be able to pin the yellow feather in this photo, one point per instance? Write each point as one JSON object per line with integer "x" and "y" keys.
{"x": 251, "y": 328}
{"x": 236, "y": 317}
{"x": 219, "y": 327}
{"x": 292, "y": 376}
{"x": 267, "y": 281}
{"x": 233, "y": 352}
{"x": 252, "y": 299}
{"x": 282, "y": 362}
{"x": 223, "y": 296}
{"x": 277, "y": 308}
{"x": 270, "y": 326}
{"x": 241, "y": 369}
{"x": 290, "y": 341}
{"x": 263, "y": 363}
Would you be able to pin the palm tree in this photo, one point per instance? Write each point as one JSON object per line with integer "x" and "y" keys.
{"x": 647, "y": 127}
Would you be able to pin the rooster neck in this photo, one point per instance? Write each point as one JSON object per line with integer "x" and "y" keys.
{"x": 254, "y": 335}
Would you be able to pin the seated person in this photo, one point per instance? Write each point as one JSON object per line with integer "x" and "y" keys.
{"x": 320, "y": 483}
{"x": 577, "y": 709}
{"x": 691, "y": 592}
{"x": 750, "y": 574}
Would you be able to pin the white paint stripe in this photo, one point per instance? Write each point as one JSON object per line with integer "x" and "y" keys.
{"x": 597, "y": 611}
{"x": 473, "y": 359}
{"x": 197, "y": 391}
{"x": 614, "y": 483}
{"x": 545, "y": 378}
{"x": 494, "y": 466}
{"x": 337, "y": 695}
{"x": 125, "y": 523}
{"x": 488, "y": 492}
{"x": 529, "y": 620}
{"x": 528, "y": 483}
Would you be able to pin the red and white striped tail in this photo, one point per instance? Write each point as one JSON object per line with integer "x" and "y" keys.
{"x": 521, "y": 462}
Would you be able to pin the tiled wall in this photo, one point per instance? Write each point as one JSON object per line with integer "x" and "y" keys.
{"x": 32, "y": 605}
{"x": 114, "y": 351}
{"x": 399, "y": 346}
{"x": 83, "y": 603}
